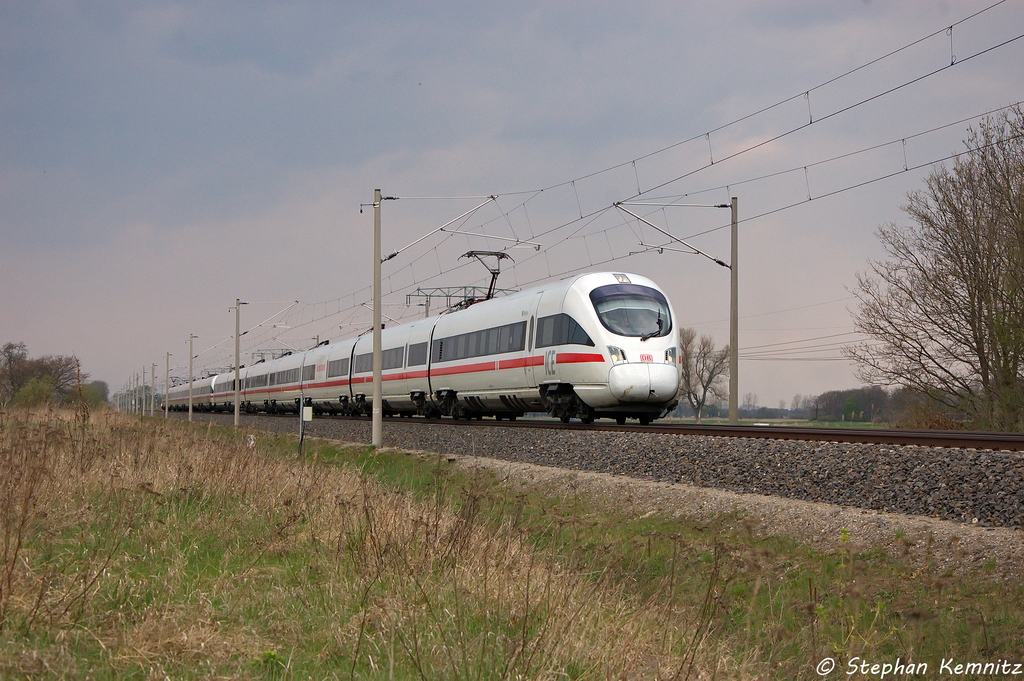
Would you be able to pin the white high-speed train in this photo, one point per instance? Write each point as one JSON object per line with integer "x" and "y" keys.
{"x": 599, "y": 345}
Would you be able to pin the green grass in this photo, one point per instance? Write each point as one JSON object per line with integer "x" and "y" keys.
{"x": 167, "y": 549}
{"x": 777, "y": 604}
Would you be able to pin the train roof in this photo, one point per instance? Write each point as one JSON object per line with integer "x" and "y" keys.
{"x": 588, "y": 280}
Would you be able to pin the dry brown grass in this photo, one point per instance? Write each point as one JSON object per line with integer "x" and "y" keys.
{"x": 157, "y": 548}
{"x": 167, "y": 549}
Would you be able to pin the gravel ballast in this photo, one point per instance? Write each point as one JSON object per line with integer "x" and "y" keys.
{"x": 982, "y": 487}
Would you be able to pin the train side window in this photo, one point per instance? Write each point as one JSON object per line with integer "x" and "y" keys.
{"x": 496, "y": 340}
{"x": 518, "y": 337}
{"x": 561, "y": 329}
{"x": 337, "y": 367}
{"x": 309, "y": 372}
{"x": 545, "y": 331}
{"x": 575, "y": 335}
{"x": 392, "y": 359}
{"x": 417, "y": 354}
{"x": 364, "y": 363}
{"x": 287, "y": 376}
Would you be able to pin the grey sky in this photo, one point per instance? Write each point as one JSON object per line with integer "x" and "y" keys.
{"x": 159, "y": 160}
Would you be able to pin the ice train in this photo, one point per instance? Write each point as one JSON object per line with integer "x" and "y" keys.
{"x": 597, "y": 345}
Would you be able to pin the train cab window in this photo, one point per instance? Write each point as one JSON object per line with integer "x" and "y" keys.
{"x": 337, "y": 367}
{"x": 417, "y": 354}
{"x": 561, "y": 329}
{"x": 632, "y": 310}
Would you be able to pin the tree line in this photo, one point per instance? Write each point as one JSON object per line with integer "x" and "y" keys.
{"x": 944, "y": 311}
{"x": 47, "y": 380}
{"x": 942, "y": 314}
{"x": 896, "y": 407}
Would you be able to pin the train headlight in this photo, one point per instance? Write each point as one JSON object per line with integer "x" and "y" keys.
{"x": 618, "y": 355}
{"x": 670, "y": 355}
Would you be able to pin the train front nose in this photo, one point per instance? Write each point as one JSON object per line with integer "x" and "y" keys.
{"x": 644, "y": 382}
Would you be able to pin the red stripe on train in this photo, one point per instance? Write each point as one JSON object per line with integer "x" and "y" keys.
{"x": 519, "y": 363}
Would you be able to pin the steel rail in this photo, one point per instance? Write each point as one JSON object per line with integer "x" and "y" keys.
{"x": 950, "y": 439}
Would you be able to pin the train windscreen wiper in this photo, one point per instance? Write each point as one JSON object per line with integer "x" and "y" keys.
{"x": 652, "y": 334}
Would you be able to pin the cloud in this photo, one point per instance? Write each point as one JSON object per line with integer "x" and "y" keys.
{"x": 189, "y": 153}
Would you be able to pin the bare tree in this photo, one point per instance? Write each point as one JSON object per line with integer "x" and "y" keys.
{"x": 17, "y": 370}
{"x": 13, "y": 358}
{"x": 703, "y": 369}
{"x": 945, "y": 311}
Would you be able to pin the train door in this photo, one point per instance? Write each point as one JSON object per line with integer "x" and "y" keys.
{"x": 543, "y": 359}
{"x": 530, "y": 313}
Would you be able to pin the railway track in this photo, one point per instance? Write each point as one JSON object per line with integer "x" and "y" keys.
{"x": 926, "y": 438}
{"x": 950, "y": 439}
{"x": 965, "y": 477}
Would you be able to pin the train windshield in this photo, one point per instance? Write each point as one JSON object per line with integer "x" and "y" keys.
{"x": 632, "y": 310}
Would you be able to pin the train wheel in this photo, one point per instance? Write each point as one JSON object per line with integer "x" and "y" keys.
{"x": 621, "y": 420}
{"x": 564, "y": 418}
{"x": 645, "y": 420}
{"x": 513, "y": 417}
{"x": 587, "y": 419}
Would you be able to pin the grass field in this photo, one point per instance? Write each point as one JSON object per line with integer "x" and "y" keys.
{"x": 153, "y": 549}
